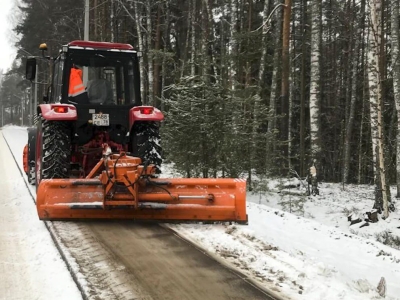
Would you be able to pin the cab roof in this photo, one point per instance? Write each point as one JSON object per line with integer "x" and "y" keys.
{"x": 100, "y": 45}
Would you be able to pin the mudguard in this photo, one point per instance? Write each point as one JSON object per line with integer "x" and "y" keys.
{"x": 29, "y": 150}
{"x": 25, "y": 159}
{"x": 144, "y": 113}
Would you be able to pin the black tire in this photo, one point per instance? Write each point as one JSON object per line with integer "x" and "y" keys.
{"x": 31, "y": 155}
{"x": 145, "y": 143}
{"x": 53, "y": 157}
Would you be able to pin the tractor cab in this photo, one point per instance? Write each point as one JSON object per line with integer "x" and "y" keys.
{"x": 101, "y": 80}
{"x": 109, "y": 74}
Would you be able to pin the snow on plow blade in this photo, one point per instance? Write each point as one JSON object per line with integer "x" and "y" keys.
{"x": 179, "y": 199}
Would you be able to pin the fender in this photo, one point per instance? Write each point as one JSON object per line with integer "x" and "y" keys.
{"x": 58, "y": 112}
{"x": 144, "y": 113}
{"x": 25, "y": 159}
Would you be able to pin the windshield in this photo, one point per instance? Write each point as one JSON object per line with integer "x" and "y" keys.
{"x": 101, "y": 77}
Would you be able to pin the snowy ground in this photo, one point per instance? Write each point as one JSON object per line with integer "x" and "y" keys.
{"x": 30, "y": 265}
{"x": 301, "y": 247}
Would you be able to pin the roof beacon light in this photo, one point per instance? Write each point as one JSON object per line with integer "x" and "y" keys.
{"x": 43, "y": 47}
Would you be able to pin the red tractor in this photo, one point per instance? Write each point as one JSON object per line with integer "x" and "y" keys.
{"x": 95, "y": 152}
{"x": 70, "y": 132}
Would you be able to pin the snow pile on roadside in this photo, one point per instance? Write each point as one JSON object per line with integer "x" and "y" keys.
{"x": 312, "y": 252}
{"x": 301, "y": 258}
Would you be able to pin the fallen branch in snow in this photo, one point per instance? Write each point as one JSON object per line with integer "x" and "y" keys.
{"x": 298, "y": 176}
{"x": 368, "y": 217}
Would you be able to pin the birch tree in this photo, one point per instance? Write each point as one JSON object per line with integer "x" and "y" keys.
{"x": 137, "y": 18}
{"x": 232, "y": 44}
{"x": 274, "y": 81}
{"x": 395, "y": 34}
{"x": 150, "y": 55}
{"x": 157, "y": 65}
{"x": 315, "y": 84}
{"x": 164, "y": 59}
{"x": 375, "y": 90}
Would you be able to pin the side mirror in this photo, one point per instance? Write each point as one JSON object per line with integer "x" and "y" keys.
{"x": 30, "y": 70}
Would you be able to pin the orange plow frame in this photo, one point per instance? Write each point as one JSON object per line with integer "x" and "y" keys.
{"x": 119, "y": 187}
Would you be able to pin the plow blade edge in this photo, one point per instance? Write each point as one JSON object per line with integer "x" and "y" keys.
{"x": 179, "y": 199}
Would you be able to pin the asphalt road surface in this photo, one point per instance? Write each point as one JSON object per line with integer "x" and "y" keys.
{"x": 168, "y": 267}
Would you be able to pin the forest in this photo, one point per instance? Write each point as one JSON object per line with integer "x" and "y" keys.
{"x": 250, "y": 88}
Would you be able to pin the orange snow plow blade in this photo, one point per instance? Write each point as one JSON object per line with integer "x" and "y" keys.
{"x": 126, "y": 190}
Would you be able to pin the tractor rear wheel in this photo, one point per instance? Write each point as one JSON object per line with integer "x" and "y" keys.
{"x": 53, "y": 151}
{"x": 145, "y": 143}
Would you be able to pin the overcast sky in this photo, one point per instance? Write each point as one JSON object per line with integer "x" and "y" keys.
{"x": 7, "y": 50}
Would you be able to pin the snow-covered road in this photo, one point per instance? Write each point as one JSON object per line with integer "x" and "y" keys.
{"x": 30, "y": 265}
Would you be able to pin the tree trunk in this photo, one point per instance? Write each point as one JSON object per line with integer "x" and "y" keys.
{"x": 150, "y": 55}
{"x": 287, "y": 12}
{"x": 375, "y": 88}
{"x": 164, "y": 61}
{"x": 355, "y": 58}
{"x": 266, "y": 23}
{"x": 292, "y": 84}
{"x": 303, "y": 89}
{"x": 138, "y": 17}
{"x": 395, "y": 36}
{"x": 210, "y": 37}
{"x": 264, "y": 45}
{"x": 364, "y": 96}
{"x": 315, "y": 84}
{"x": 232, "y": 44}
{"x": 187, "y": 39}
{"x": 95, "y": 19}
{"x": 112, "y": 21}
{"x": 157, "y": 47}
{"x": 274, "y": 81}
{"x": 193, "y": 41}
